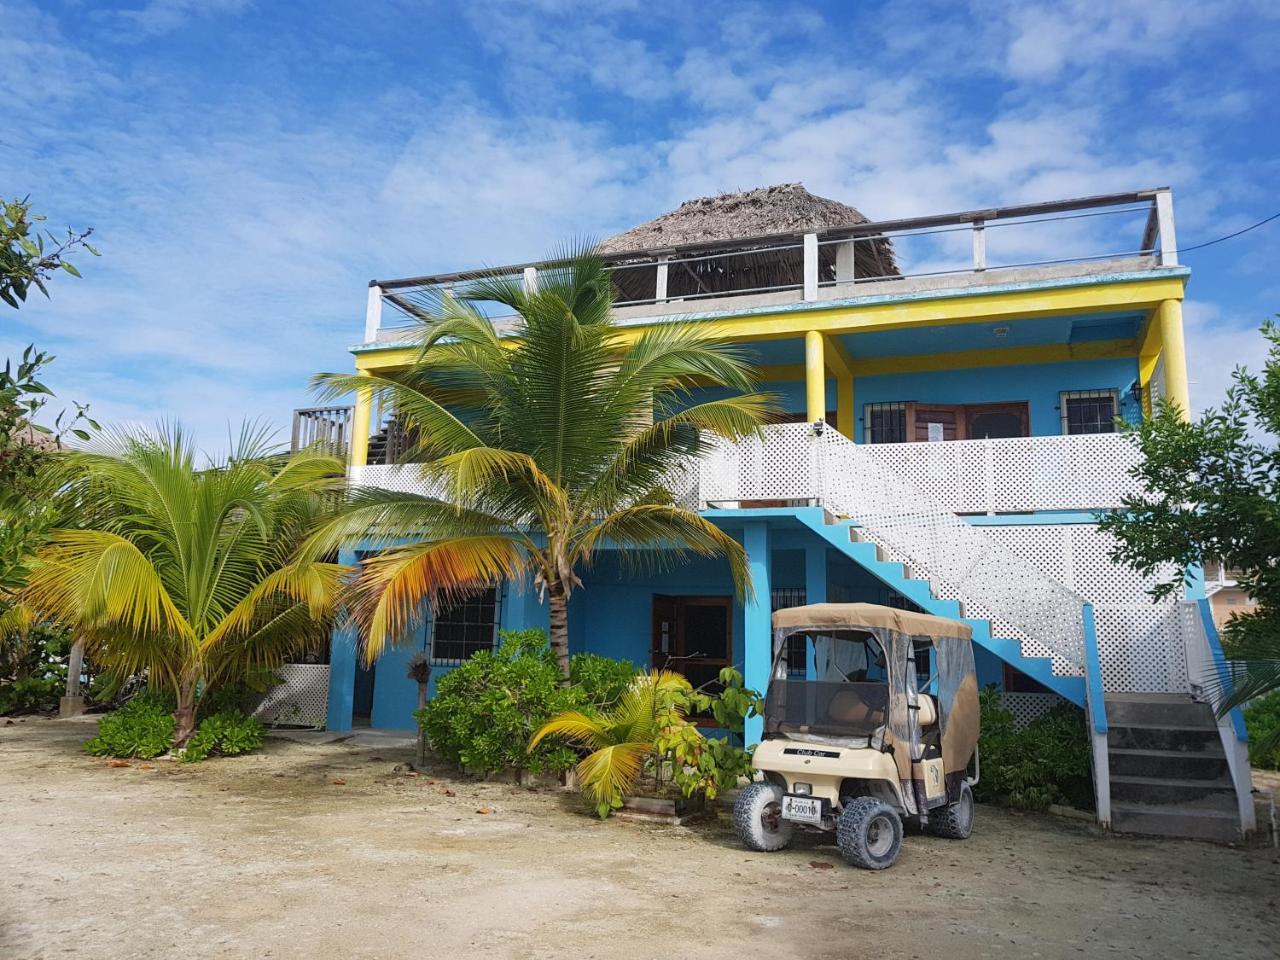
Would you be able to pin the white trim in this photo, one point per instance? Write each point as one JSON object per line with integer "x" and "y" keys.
{"x": 979, "y": 245}
{"x": 373, "y": 314}
{"x": 811, "y": 266}
{"x": 1168, "y": 234}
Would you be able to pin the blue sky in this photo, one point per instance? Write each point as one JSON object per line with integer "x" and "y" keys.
{"x": 248, "y": 167}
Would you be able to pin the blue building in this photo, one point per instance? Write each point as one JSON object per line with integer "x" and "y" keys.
{"x": 952, "y": 385}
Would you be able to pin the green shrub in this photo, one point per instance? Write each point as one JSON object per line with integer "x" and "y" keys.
{"x": 484, "y": 711}
{"x": 143, "y": 728}
{"x": 34, "y": 670}
{"x": 1045, "y": 762}
{"x": 228, "y": 733}
{"x": 601, "y": 680}
{"x": 1262, "y": 721}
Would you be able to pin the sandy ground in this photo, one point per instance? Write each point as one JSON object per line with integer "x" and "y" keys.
{"x": 323, "y": 851}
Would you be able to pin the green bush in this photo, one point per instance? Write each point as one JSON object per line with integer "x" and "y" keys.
{"x": 1262, "y": 721}
{"x": 1045, "y": 762}
{"x": 484, "y": 711}
{"x": 601, "y": 680}
{"x": 143, "y": 728}
{"x": 33, "y": 673}
{"x": 228, "y": 734}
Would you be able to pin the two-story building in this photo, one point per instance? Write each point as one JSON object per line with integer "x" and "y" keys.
{"x": 952, "y": 385}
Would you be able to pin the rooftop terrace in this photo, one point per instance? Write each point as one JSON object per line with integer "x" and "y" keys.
{"x": 782, "y": 248}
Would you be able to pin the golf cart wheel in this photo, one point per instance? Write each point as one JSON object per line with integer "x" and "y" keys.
{"x": 955, "y": 820}
{"x": 758, "y": 820}
{"x": 869, "y": 833}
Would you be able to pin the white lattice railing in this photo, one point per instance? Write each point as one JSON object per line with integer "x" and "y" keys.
{"x": 1087, "y": 472}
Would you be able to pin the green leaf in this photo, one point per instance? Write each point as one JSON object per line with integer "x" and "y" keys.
{"x": 70, "y": 268}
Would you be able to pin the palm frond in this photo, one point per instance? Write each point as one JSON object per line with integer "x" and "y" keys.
{"x": 389, "y": 594}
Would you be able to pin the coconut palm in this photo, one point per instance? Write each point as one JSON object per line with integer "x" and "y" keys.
{"x": 189, "y": 573}
{"x": 623, "y": 739}
{"x": 543, "y": 441}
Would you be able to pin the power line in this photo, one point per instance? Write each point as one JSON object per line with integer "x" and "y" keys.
{"x": 1230, "y": 236}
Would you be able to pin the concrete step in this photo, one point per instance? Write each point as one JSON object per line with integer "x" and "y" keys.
{"x": 1175, "y": 821}
{"x": 1169, "y": 764}
{"x": 1162, "y": 736}
{"x": 1159, "y": 791}
{"x": 1157, "y": 708}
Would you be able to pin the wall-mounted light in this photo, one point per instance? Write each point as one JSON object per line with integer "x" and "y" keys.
{"x": 818, "y": 426}
{"x": 1000, "y": 332}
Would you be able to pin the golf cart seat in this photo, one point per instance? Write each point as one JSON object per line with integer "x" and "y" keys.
{"x": 928, "y": 713}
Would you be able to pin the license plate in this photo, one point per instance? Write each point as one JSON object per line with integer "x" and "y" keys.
{"x": 804, "y": 809}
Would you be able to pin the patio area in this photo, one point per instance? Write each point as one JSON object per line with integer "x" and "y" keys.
{"x": 325, "y": 849}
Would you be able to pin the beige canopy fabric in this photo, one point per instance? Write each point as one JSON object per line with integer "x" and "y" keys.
{"x": 852, "y": 616}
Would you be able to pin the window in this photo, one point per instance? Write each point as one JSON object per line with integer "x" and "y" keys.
{"x": 797, "y": 656}
{"x": 465, "y": 626}
{"x": 885, "y": 422}
{"x": 1089, "y": 411}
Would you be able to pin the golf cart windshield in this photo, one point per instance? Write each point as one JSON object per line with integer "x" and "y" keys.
{"x": 842, "y": 692}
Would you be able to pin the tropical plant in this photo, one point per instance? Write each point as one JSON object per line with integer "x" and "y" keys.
{"x": 227, "y": 733}
{"x": 1262, "y": 721}
{"x": 189, "y": 572}
{"x": 1040, "y": 763}
{"x": 1210, "y": 489}
{"x": 547, "y": 439}
{"x": 485, "y": 710}
{"x": 33, "y": 661}
{"x": 142, "y": 728}
{"x": 622, "y": 740}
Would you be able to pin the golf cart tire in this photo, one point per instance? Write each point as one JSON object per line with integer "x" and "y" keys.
{"x": 752, "y": 813}
{"x": 955, "y": 820}
{"x": 860, "y": 833}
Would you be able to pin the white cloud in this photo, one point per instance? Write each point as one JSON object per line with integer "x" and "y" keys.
{"x": 1217, "y": 344}
{"x": 157, "y": 17}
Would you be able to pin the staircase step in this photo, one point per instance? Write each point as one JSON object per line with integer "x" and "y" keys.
{"x": 1175, "y": 821}
{"x": 1162, "y": 736}
{"x": 1169, "y": 764}
{"x": 1174, "y": 710}
{"x": 1157, "y": 791}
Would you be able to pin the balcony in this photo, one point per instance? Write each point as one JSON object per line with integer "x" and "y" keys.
{"x": 788, "y": 463}
{"x": 1057, "y": 242}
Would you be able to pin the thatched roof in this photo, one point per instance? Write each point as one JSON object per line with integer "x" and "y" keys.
{"x": 786, "y": 208}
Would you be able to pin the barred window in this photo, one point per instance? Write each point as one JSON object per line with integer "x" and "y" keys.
{"x": 885, "y": 422}
{"x": 1089, "y": 411}
{"x": 783, "y": 597}
{"x": 465, "y": 626}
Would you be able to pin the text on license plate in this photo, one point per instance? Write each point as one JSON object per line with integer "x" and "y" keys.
{"x": 804, "y": 809}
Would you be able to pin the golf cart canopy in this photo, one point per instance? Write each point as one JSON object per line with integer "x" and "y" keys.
{"x": 871, "y": 617}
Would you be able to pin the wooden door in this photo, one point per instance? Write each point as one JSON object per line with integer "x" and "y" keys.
{"x": 972, "y": 421}
{"x": 935, "y": 421}
{"x": 992, "y": 421}
{"x": 693, "y": 636}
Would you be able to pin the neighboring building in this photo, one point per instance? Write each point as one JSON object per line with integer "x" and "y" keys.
{"x": 1226, "y": 597}
{"x": 952, "y": 386}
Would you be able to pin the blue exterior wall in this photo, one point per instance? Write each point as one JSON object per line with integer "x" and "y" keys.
{"x": 1038, "y": 384}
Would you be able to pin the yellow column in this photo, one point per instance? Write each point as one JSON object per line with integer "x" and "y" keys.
{"x": 1174, "y": 350}
{"x": 360, "y": 428}
{"x": 815, "y": 377}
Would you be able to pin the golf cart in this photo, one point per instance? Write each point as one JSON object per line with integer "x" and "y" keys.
{"x": 871, "y": 717}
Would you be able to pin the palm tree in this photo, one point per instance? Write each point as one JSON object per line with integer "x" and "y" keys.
{"x": 189, "y": 573}
{"x": 622, "y": 739}
{"x": 545, "y": 440}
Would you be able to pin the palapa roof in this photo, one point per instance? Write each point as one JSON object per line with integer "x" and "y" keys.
{"x": 754, "y": 216}
{"x": 782, "y": 208}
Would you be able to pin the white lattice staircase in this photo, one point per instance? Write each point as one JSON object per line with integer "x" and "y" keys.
{"x": 841, "y": 534}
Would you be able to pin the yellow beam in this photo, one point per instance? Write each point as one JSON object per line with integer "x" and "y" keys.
{"x": 1002, "y": 357}
{"x": 1009, "y": 306}
{"x": 1177, "y": 389}
{"x": 815, "y": 377}
{"x": 360, "y": 428}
